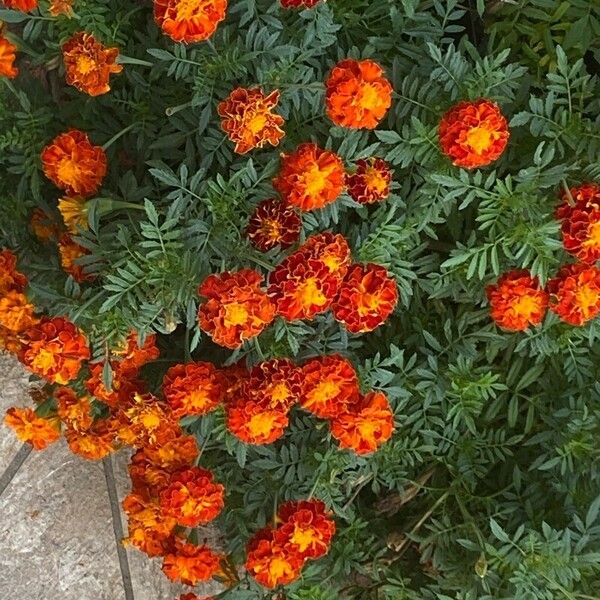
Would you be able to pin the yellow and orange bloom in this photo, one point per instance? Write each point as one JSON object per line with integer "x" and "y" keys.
{"x": 22, "y": 5}
{"x": 74, "y": 411}
{"x": 69, "y": 251}
{"x": 194, "y": 388}
{"x": 580, "y": 222}
{"x": 94, "y": 443}
{"x": 190, "y": 564}
{"x": 16, "y": 313}
{"x": 192, "y": 497}
{"x": 310, "y": 177}
{"x": 357, "y": 94}
{"x": 73, "y": 164}
{"x": 367, "y": 297}
{"x": 366, "y": 425}
{"x": 331, "y": 249}
{"x": 253, "y": 423}
{"x": 61, "y": 7}
{"x": 42, "y": 226}
{"x": 89, "y": 64}
{"x": 189, "y": 21}
{"x": 370, "y": 182}
{"x": 473, "y": 134}
{"x": 131, "y": 357}
{"x": 8, "y": 57}
{"x": 54, "y": 349}
{"x": 10, "y": 278}
{"x": 517, "y": 301}
{"x": 575, "y": 293}
{"x": 74, "y": 211}
{"x": 237, "y": 308}
{"x": 28, "y": 427}
{"x": 329, "y": 386}
{"x": 248, "y": 119}
{"x": 175, "y": 453}
{"x": 123, "y": 385}
{"x": 273, "y": 223}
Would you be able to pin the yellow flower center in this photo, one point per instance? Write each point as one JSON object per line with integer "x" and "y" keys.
{"x": 368, "y": 97}
{"x": 44, "y": 360}
{"x": 85, "y": 64}
{"x": 587, "y": 297}
{"x": 310, "y": 295}
{"x": 235, "y": 314}
{"x": 369, "y": 303}
{"x": 593, "y": 238}
{"x": 279, "y": 569}
{"x": 261, "y": 424}
{"x": 271, "y": 229}
{"x": 315, "y": 180}
{"x": 197, "y": 399}
{"x": 68, "y": 171}
{"x": 304, "y": 538}
{"x": 526, "y": 306}
{"x": 375, "y": 180}
{"x": 150, "y": 420}
{"x": 480, "y": 139}
{"x": 257, "y": 122}
{"x": 367, "y": 429}
{"x": 324, "y": 391}
{"x": 188, "y": 9}
{"x": 279, "y": 393}
{"x": 331, "y": 260}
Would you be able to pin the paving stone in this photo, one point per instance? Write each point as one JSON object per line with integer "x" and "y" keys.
{"x": 56, "y": 530}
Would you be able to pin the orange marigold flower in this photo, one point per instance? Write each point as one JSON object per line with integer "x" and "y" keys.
{"x": 54, "y": 349}
{"x": 366, "y": 425}
{"x": 575, "y": 293}
{"x": 248, "y": 120}
{"x": 32, "y": 429}
{"x": 357, "y": 94}
{"x": 370, "y": 182}
{"x": 310, "y": 177}
{"x": 190, "y": 564}
{"x": 254, "y": 423}
{"x": 69, "y": 251}
{"x": 73, "y": 164}
{"x": 8, "y": 57}
{"x": 73, "y": 410}
{"x": 175, "y": 453}
{"x": 308, "y": 527}
{"x": 299, "y": 3}
{"x": 10, "y": 278}
{"x": 581, "y": 222}
{"x": 94, "y": 443}
{"x": 123, "y": 385}
{"x": 330, "y": 249}
{"x": 473, "y": 134}
{"x": 131, "y": 357}
{"x": 269, "y": 562}
{"x": 89, "y": 64}
{"x": 367, "y": 297}
{"x": 517, "y": 301}
{"x": 189, "y": 20}
{"x": 273, "y": 223}
{"x": 192, "y": 498}
{"x": 74, "y": 211}
{"x": 329, "y": 385}
{"x": 42, "y": 226}
{"x": 237, "y": 308}
{"x": 16, "y": 313}
{"x": 193, "y": 389}
{"x": 148, "y": 478}
{"x": 22, "y": 5}
{"x": 61, "y": 7}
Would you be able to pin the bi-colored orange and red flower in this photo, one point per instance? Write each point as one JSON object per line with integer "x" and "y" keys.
{"x": 329, "y": 385}
{"x": 194, "y": 388}
{"x": 131, "y": 357}
{"x": 10, "y": 278}
{"x": 190, "y": 564}
{"x": 54, "y": 349}
{"x": 367, "y": 297}
{"x": 89, "y": 64}
{"x": 191, "y": 497}
{"x": 73, "y": 164}
{"x": 22, "y": 5}
{"x": 123, "y": 385}
{"x": 69, "y": 251}
{"x": 189, "y": 20}
{"x": 94, "y": 443}
{"x": 366, "y": 425}
{"x": 237, "y": 308}
{"x": 331, "y": 249}
{"x": 74, "y": 411}
{"x": 517, "y": 301}
{"x": 575, "y": 293}
{"x": 28, "y": 427}
{"x": 473, "y": 134}
{"x": 248, "y": 119}
{"x": 370, "y": 182}
{"x": 581, "y": 222}
{"x": 8, "y": 57}
{"x": 273, "y": 223}
{"x": 61, "y": 7}
{"x": 357, "y": 94}
{"x": 310, "y": 177}
{"x": 16, "y": 315}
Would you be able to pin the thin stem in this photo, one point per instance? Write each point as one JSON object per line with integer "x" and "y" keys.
{"x": 115, "y": 137}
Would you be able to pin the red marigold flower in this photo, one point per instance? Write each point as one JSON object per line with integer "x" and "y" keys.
{"x": 330, "y": 249}
{"x": 94, "y": 443}
{"x": 273, "y": 383}
{"x": 8, "y": 57}
{"x": 248, "y": 120}
{"x": 273, "y": 223}
{"x": 54, "y": 349}
{"x": 308, "y": 527}
{"x": 89, "y": 64}
{"x": 310, "y": 177}
{"x": 575, "y": 293}
{"x": 193, "y": 389}
{"x": 367, "y": 297}
{"x": 237, "y": 308}
{"x": 370, "y": 182}
{"x": 190, "y": 564}
{"x": 10, "y": 278}
{"x": 192, "y": 498}
{"x": 32, "y": 429}
{"x": 22, "y": 5}
{"x": 73, "y": 164}
{"x": 473, "y": 134}
{"x": 69, "y": 251}
{"x": 329, "y": 386}
{"x": 131, "y": 357}
{"x": 299, "y": 3}
{"x": 123, "y": 385}
{"x": 61, "y": 7}
{"x": 517, "y": 301}
{"x": 189, "y": 20}
{"x": 581, "y": 222}
{"x": 254, "y": 423}
{"x": 357, "y": 94}
{"x": 366, "y": 425}
{"x": 42, "y": 226}
{"x": 269, "y": 562}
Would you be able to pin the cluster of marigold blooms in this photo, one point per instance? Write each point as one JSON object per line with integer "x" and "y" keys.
{"x": 518, "y": 301}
